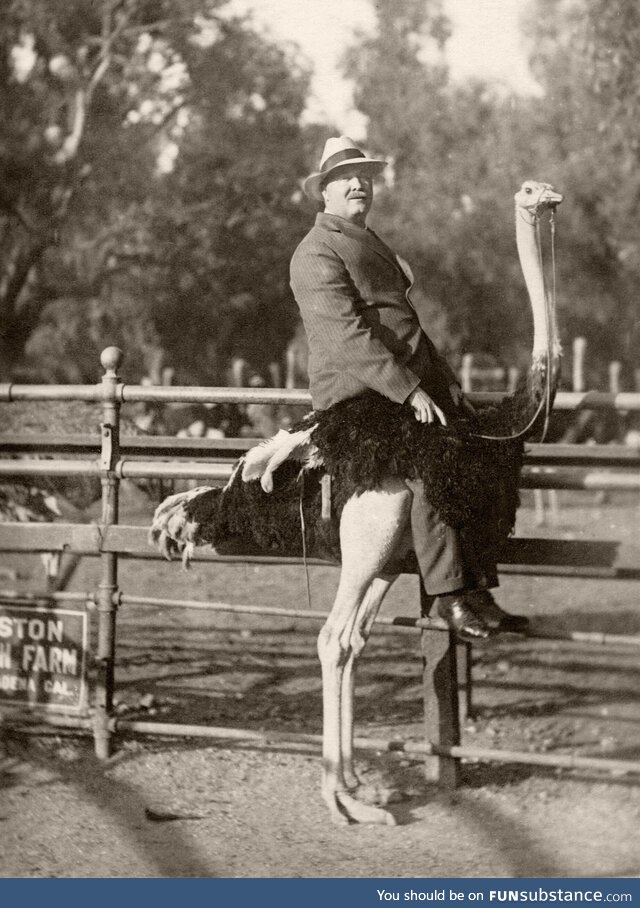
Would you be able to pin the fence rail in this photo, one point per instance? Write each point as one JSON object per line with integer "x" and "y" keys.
{"x": 547, "y": 466}
{"x": 220, "y": 473}
{"x": 604, "y": 559}
{"x": 627, "y": 401}
{"x": 168, "y": 446}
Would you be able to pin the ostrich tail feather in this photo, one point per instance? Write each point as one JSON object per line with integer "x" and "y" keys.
{"x": 241, "y": 516}
{"x": 183, "y": 521}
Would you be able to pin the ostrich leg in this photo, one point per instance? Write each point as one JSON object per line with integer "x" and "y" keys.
{"x": 362, "y": 629}
{"x": 371, "y": 528}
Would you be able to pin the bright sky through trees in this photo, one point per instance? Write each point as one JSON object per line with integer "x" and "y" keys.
{"x": 486, "y": 43}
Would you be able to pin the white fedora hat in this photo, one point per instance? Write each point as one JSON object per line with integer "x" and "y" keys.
{"x": 339, "y": 152}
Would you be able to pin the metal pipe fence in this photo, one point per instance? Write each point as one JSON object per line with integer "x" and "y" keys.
{"x": 221, "y": 449}
{"x": 532, "y": 478}
{"x": 123, "y": 393}
{"x": 109, "y": 540}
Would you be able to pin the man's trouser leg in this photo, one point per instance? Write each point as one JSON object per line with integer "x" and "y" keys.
{"x": 437, "y": 546}
{"x": 444, "y": 561}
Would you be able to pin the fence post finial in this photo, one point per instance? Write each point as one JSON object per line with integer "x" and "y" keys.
{"x": 111, "y": 359}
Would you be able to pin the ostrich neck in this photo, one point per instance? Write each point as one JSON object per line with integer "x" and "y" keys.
{"x": 529, "y": 255}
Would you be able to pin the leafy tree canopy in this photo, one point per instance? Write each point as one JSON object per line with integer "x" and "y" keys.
{"x": 151, "y": 153}
{"x": 150, "y": 158}
{"x": 459, "y": 152}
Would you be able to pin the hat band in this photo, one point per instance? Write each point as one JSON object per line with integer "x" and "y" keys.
{"x": 347, "y": 154}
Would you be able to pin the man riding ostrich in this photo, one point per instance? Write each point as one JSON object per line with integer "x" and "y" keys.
{"x": 413, "y": 467}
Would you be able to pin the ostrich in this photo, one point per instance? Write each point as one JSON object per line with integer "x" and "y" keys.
{"x": 374, "y": 524}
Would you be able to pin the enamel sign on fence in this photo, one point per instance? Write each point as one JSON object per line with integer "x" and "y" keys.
{"x": 43, "y": 657}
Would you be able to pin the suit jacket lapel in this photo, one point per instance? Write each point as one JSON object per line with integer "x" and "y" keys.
{"x": 405, "y": 267}
{"x": 368, "y": 238}
{"x": 373, "y": 241}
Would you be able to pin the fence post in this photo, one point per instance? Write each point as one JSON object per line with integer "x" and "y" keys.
{"x": 465, "y": 668}
{"x": 579, "y": 349}
{"x": 440, "y": 692}
{"x": 466, "y": 377}
{"x": 111, "y": 358}
{"x": 615, "y": 368}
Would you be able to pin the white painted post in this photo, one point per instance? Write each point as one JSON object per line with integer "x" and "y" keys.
{"x": 579, "y": 348}
{"x": 615, "y": 368}
{"x": 466, "y": 367}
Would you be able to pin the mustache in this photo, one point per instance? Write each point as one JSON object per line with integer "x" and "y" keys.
{"x": 357, "y": 194}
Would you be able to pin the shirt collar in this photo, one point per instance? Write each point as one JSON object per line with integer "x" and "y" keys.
{"x": 335, "y": 222}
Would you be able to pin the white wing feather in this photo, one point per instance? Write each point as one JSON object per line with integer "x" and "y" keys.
{"x": 262, "y": 461}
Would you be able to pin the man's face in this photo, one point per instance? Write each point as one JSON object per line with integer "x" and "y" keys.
{"x": 349, "y": 194}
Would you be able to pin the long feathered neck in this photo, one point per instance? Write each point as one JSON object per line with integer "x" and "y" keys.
{"x": 531, "y": 264}
{"x": 535, "y": 400}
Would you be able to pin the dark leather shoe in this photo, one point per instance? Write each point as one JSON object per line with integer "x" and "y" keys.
{"x": 462, "y": 619}
{"x": 495, "y": 618}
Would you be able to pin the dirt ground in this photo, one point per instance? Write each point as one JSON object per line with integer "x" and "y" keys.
{"x": 181, "y": 808}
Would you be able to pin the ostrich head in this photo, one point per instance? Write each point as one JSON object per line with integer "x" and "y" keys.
{"x": 535, "y": 198}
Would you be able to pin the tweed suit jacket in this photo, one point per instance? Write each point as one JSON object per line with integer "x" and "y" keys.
{"x": 363, "y": 331}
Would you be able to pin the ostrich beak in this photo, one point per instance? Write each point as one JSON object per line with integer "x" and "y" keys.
{"x": 551, "y": 197}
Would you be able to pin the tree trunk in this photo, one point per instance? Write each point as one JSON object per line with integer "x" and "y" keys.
{"x": 17, "y": 320}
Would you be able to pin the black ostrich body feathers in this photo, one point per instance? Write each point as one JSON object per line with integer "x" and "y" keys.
{"x": 471, "y": 480}
{"x": 244, "y": 518}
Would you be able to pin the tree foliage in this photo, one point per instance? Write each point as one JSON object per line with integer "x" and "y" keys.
{"x": 64, "y": 74}
{"x": 459, "y": 153}
{"x": 229, "y": 214}
{"x": 457, "y": 157}
{"x": 584, "y": 53}
{"x": 151, "y": 153}
{"x": 150, "y": 161}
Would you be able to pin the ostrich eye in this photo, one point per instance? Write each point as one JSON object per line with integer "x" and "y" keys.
{"x": 528, "y": 190}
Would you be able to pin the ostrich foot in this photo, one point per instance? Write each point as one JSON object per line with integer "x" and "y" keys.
{"x": 372, "y": 790}
{"x": 351, "y": 780}
{"x": 339, "y": 817}
{"x": 373, "y": 793}
{"x": 346, "y": 809}
{"x": 380, "y": 795}
{"x": 359, "y": 812}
